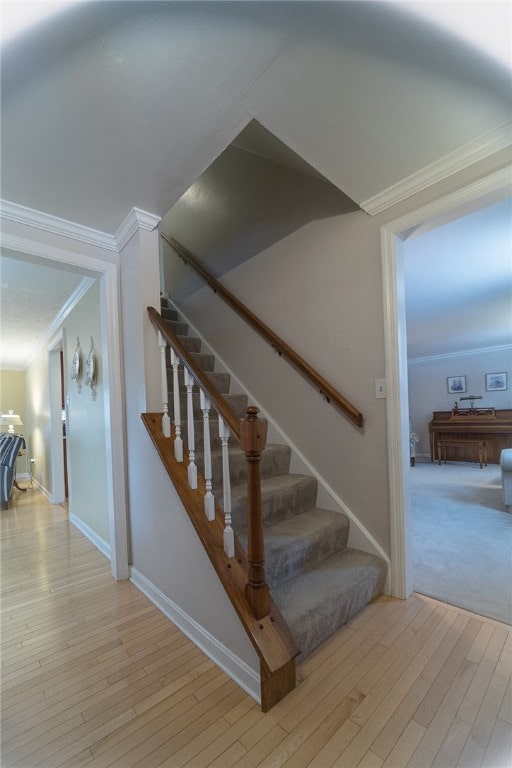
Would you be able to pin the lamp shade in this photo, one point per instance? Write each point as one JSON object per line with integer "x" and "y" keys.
{"x": 11, "y": 420}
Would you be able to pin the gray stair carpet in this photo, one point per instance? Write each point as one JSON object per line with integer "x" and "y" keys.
{"x": 316, "y": 580}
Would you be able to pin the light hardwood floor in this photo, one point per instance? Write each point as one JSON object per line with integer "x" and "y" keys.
{"x": 94, "y": 675}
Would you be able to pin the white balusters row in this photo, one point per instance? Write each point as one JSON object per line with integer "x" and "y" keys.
{"x": 224, "y": 434}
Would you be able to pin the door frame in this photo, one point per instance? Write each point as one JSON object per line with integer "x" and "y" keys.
{"x": 56, "y": 447}
{"x": 107, "y": 272}
{"x": 471, "y": 197}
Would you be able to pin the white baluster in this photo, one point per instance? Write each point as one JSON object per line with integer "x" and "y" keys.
{"x": 178, "y": 442}
{"x": 209, "y": 501}
{"x": 192, "y": 469}
{"x": 166, "y": 421}
{"x": 229, "y": 536}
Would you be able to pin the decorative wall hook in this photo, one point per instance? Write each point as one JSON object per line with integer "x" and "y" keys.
{"x": 91, "y": 370}
{"x": 76, "y": 365}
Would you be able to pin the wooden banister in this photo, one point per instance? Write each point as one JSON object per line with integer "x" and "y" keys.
{"x": 215, "y": 397}
{"x": 326, "y": 390}
{"x": 251, "y": 434}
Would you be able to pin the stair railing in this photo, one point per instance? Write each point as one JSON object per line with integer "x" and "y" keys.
{"x": 250, "y": 433}
{"x": 326, "y": 390}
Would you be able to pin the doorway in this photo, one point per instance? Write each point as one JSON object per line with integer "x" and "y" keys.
{"x": 470, "y": 198}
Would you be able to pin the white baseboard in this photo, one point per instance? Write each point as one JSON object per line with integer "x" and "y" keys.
{"x": 93, "y": 537}
{"x": 233, "y": 666}
{"x": 43, "y": 490}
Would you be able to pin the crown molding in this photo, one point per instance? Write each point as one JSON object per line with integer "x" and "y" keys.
{"x": 136, "y": 219}
{"x": 464, "y": 353}
{"x": 49, "y": 223}
{"x": 59, "y": 318}
{"x": 470, "y": 153}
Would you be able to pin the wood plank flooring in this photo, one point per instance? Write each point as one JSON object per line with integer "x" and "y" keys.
{"x": 94, "y": 675}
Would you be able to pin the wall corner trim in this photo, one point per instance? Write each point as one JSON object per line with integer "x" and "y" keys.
{"x": 233, "y": 666}
{"x": 470, "y": 153}
{"x": 135, "y": 220}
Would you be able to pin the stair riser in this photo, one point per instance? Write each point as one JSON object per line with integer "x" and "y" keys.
{"x": 179, "y": 329}
{"x": 284, "y": 561}
{"x": 221, "y": 381}
{"x": 277, "y": 506}
{"x": 273, "y": 462}
{"x": 191, "y": 344}
{"x": 205, "y": 362}
{"x": 169, "y": 314}
{"x": 237, "y": 402}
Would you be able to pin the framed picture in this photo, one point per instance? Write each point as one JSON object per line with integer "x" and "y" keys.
{"x": 495, "y": 381}
{"x": 456, "y": 385}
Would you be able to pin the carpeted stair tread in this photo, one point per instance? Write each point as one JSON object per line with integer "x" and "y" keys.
{"x": 319, "y": 601}
{"x": 294, "y": 544}
{"x": 275, "y": 460}
{"x": 281, "y": 497}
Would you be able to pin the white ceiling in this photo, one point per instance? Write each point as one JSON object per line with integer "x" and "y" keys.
{"x": 34, "y": 297}
{"x": 104, "y": 108}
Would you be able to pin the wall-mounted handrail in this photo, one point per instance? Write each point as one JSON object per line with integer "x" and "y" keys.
{"x": 326, "y": 390}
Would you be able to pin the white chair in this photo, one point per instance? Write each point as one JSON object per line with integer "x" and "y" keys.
{"x": 506, "y": 477}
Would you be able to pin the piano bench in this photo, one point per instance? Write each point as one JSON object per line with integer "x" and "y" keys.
{"x": 506, "y": 477}
{"x": 479, "y": 446}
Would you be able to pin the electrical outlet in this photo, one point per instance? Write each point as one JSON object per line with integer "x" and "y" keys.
{"x": 380, "y": 388}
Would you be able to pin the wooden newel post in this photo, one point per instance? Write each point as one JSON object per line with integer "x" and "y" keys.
{"x": 253, "y": 436}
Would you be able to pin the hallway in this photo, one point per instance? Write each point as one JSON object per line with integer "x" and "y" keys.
{"x": 94, "y": 675}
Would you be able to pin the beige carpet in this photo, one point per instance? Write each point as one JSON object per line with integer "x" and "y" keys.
{"x": 462, "y": 537}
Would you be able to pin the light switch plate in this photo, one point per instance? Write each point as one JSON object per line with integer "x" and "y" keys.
{"x": 380, "y": 388}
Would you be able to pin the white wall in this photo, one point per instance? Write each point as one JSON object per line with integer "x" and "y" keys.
{"x": 86, "y": 420}
{"x": 327, "y": 306}
{"x": 428, "y": 386}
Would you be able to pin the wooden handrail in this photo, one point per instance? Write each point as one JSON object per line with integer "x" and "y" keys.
{"x": 328, "y": 392}
{"x": 221, "y": 406}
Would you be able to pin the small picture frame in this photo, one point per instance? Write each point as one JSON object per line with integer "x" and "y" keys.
{"x": 456, "y": 385}
{"x": 495, "y": 382}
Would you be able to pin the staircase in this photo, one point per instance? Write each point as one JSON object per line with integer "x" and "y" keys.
{"x": 316, "y": 580}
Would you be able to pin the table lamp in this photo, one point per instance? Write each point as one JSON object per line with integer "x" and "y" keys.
{"x": 11, "y": 420}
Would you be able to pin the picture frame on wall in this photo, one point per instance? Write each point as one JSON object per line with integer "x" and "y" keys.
{"x": 495, "y": 382}
{"x": 456, "y": 385}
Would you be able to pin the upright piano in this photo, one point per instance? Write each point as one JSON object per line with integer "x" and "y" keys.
{"x": 487, "y": 424}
